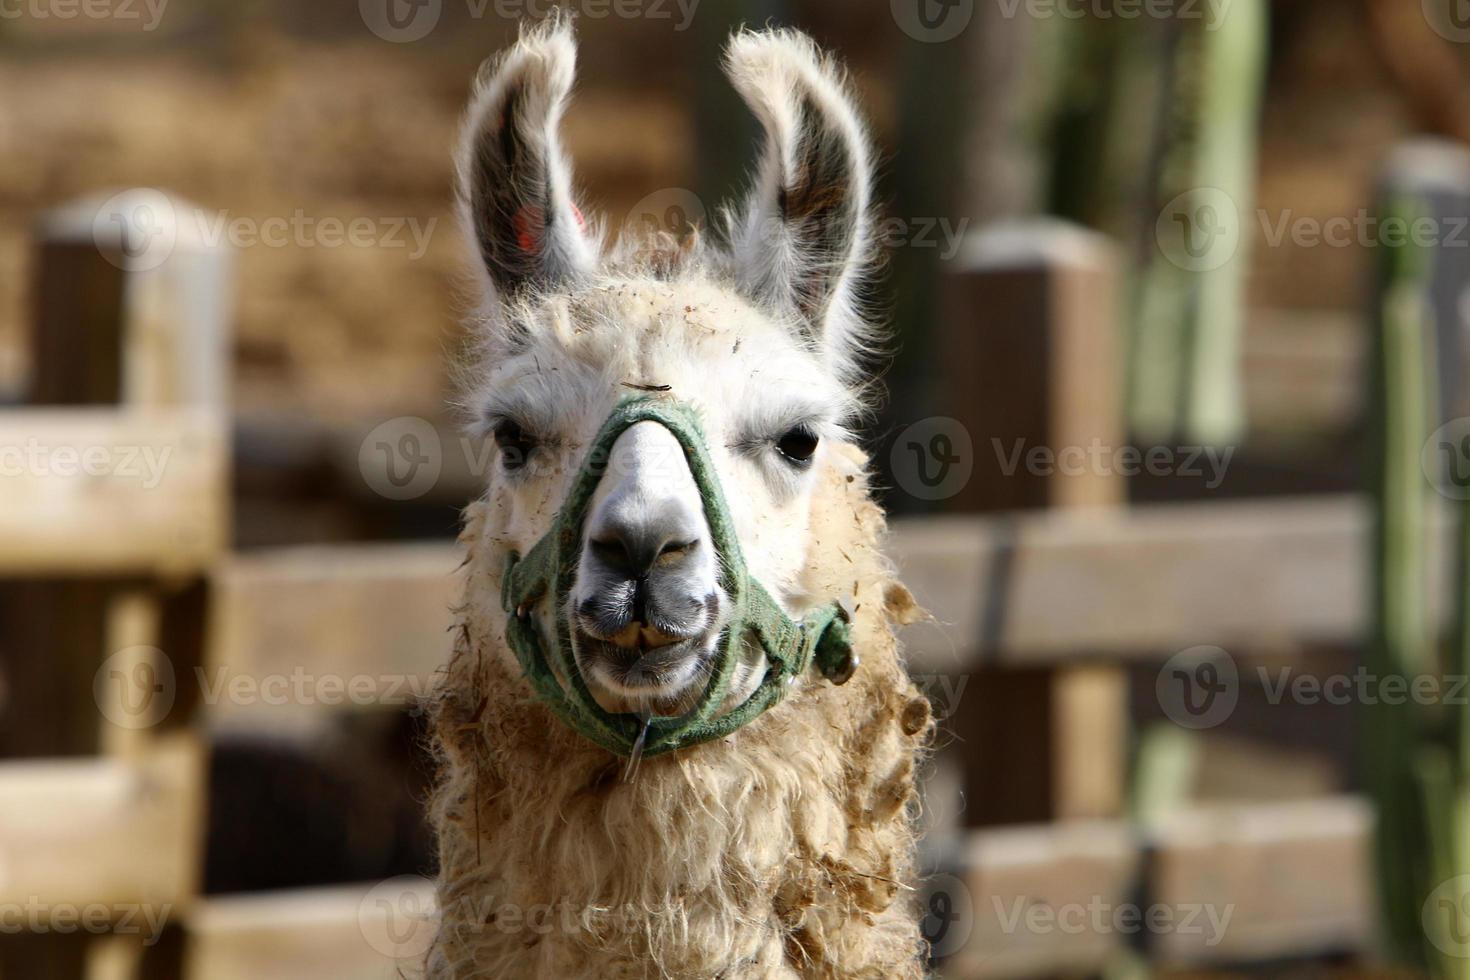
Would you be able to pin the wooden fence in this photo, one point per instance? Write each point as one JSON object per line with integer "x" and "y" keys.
{"x": 133, "y": 567}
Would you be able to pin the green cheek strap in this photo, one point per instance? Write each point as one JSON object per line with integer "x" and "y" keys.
{"x": 547, "y": 571}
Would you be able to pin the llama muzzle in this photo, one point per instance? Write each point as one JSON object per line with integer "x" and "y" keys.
{"x": 547, "y": 571}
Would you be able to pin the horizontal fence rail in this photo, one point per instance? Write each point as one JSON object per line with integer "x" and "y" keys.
{"x": 1205, "y": 885}
{"x": 101, "y": 831}
{"x": 1049, "y": 586}
{"x": 106, "y": 492}
{"x": 1025, "y": 589}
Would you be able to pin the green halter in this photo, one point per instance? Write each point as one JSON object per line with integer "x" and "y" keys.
{"x": 550, "y": 567}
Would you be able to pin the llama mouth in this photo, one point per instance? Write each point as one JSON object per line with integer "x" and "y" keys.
{"x": 664, "y": 680}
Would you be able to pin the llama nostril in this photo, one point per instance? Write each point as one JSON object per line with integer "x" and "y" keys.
{"x": 678, "y": 549}
{"x": 612, "y": 553}
{"x": 633, "y": 554}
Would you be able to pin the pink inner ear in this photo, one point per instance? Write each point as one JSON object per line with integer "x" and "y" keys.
{"x": 529, "y": 223}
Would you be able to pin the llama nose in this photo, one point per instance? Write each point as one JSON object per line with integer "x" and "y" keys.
{"x": 635, "y": 542}
{"x": 647, "y": 555}
{"x": 631, "y": 556}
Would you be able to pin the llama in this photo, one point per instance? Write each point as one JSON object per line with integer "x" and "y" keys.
{"x": 786, "y": 847}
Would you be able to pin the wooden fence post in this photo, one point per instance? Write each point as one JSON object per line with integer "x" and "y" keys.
{"x": 130, "y": 312}
{"x": 1030, "y": 348}
{"x": 132, "y": 306}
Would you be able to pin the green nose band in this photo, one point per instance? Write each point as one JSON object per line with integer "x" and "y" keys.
{"x": 547, "y": 571}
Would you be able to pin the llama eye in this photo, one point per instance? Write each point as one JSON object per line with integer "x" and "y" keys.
{"x": 515, "y": 445}
{"x": 798, "y": 445}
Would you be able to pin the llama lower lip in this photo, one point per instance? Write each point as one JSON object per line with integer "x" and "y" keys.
{"x": 659, "y": 672}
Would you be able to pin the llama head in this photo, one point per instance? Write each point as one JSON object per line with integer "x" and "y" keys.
{"x": 761, "y": 336}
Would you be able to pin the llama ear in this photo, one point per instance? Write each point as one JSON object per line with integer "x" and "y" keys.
{"x": 803, "y": 238}
{"x": 514, "y": 182}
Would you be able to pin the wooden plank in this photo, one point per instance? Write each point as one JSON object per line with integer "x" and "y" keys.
{"x": 102, "y": 831}
{"x": 1243, "y": 883}
{"x": 91, "y": 492}
{"x": 1090, "y": 726}
{"x": 299, "y": 631}
{"x": 136, "y": 691}
{"x": 358, "y": 932}
{"x": 1295, "y": 878}
{"x": 1021, "y": 888}
{"x": 1141, "y": 582}
{"x": 1029, "y": 589}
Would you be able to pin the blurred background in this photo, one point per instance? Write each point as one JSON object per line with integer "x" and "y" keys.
{"x": 1176, "y": 447}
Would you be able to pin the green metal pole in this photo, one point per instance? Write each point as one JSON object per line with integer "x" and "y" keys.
{"x": 1407, "y": 776}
